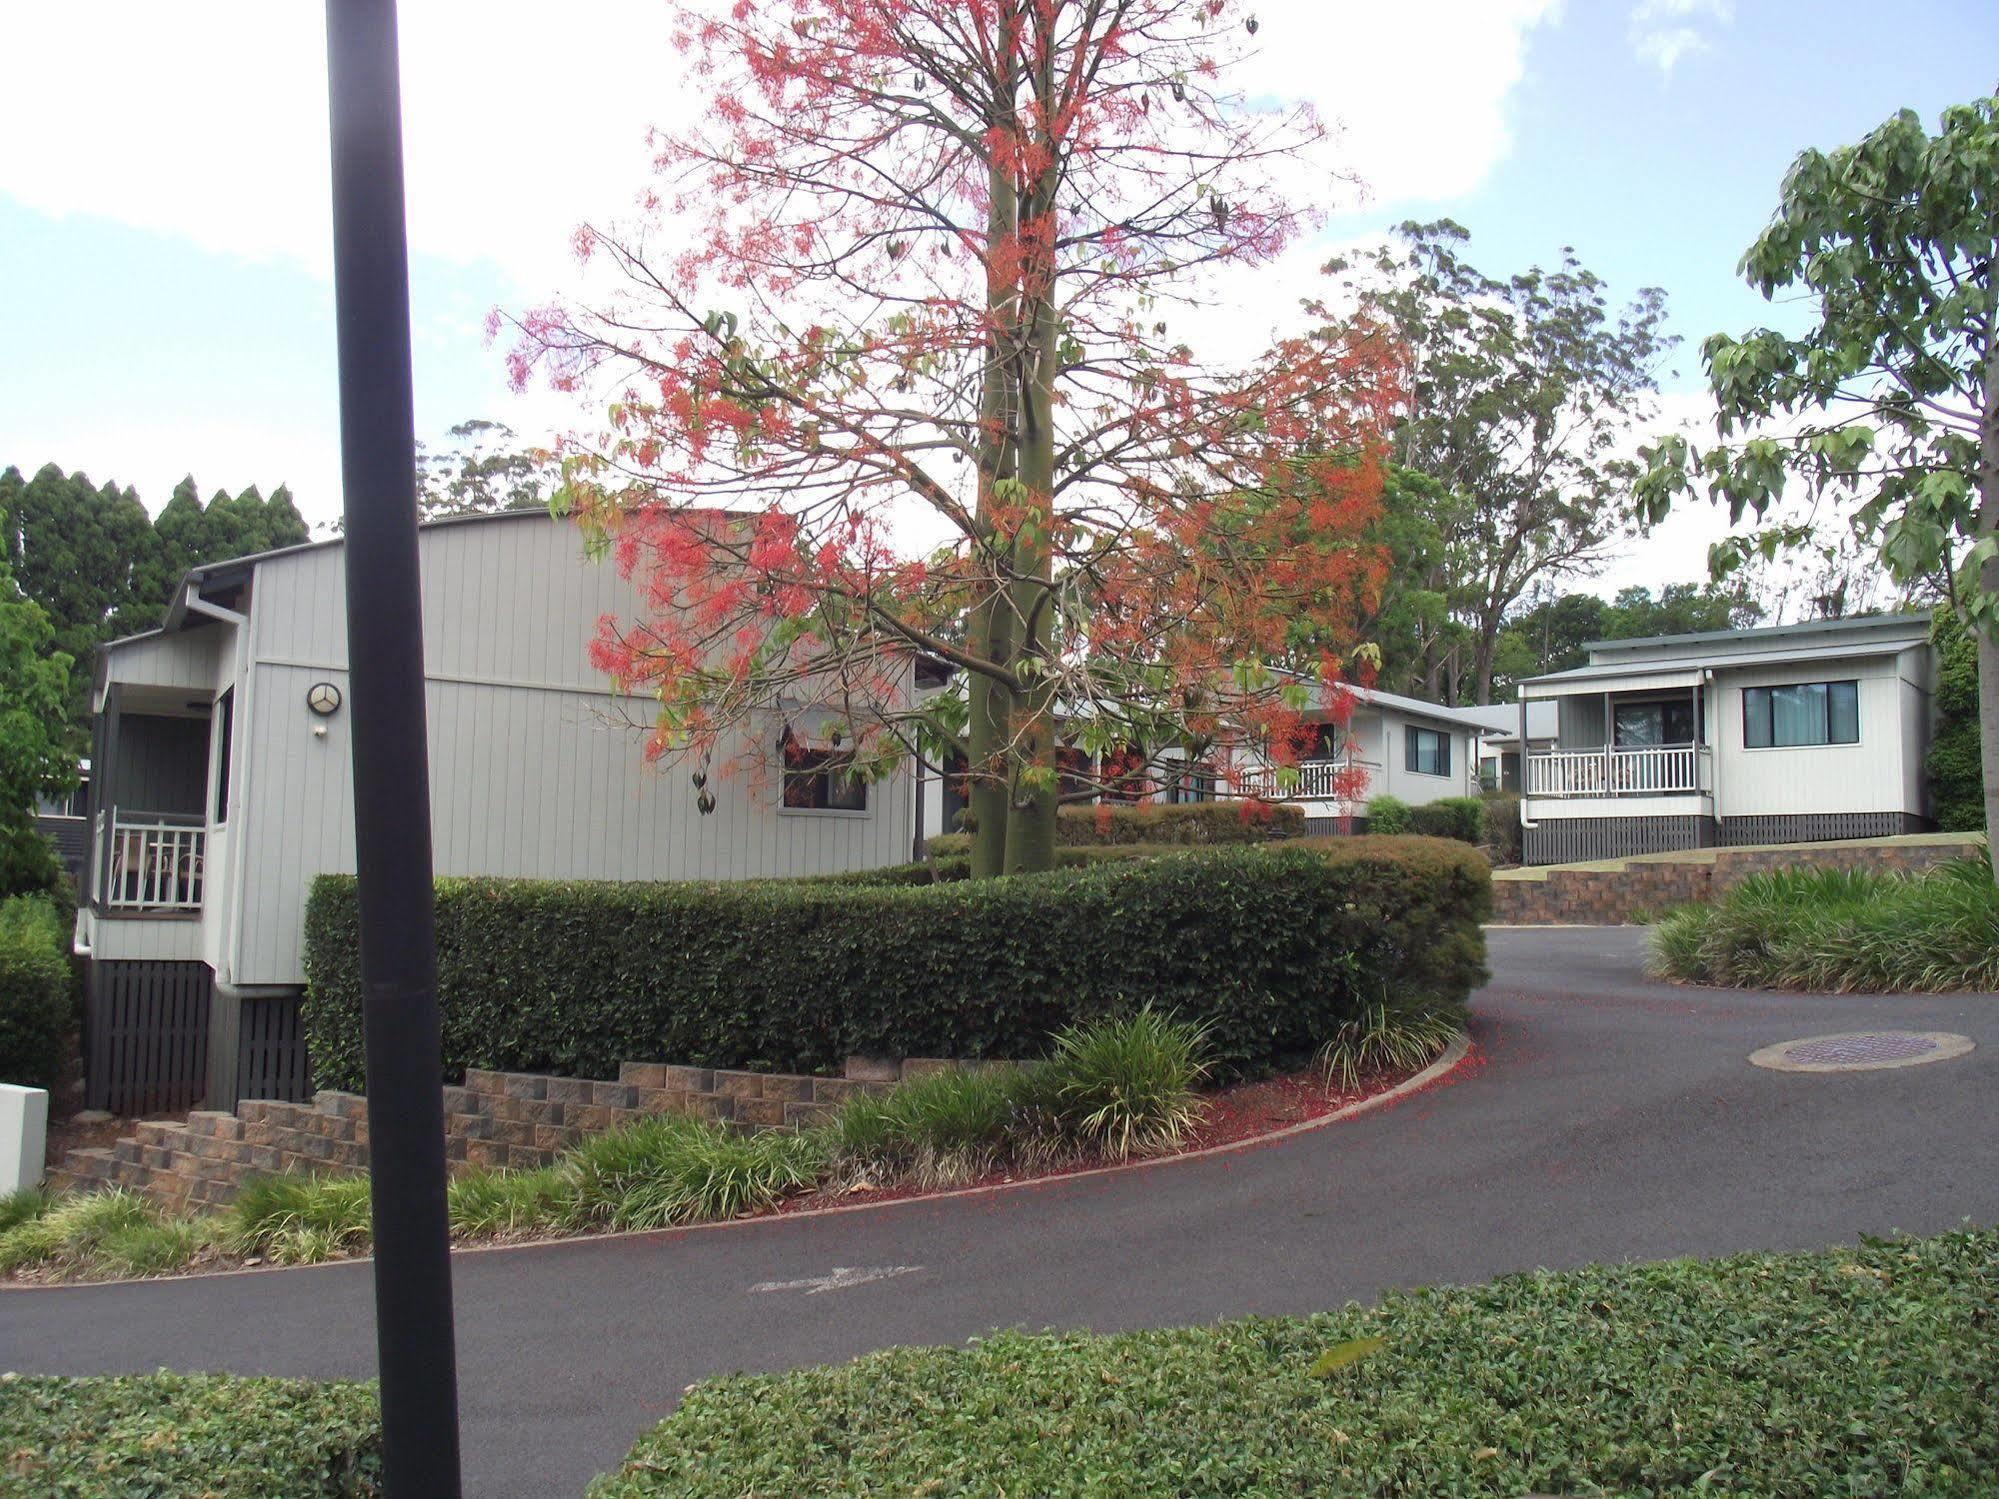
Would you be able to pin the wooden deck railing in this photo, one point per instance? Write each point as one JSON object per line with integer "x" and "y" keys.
{"x": 150, "y": 861}
{"x": 1653, "y": 770}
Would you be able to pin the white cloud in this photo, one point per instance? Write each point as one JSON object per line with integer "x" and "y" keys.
{"x": 1664, "y": 31}
{"x": 524, "y": 119}
{"x": 208, "y": 122}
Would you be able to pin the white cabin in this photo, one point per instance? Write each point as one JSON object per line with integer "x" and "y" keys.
{"x": 1796, "y": 733}
{"x": 1416, "y": 751}
{"x": 221, "y": 788}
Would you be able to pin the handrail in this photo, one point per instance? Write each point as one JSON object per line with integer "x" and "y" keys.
{"x": 1629, "y": 770}
{"x": 1318, "y": 781}
{"x": 152, "y": 861}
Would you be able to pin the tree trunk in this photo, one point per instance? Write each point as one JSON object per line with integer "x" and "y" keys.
{"x": 989, "y": 733}
{"x": 1988, "y": 584}
{"x": 1030, "y": 834}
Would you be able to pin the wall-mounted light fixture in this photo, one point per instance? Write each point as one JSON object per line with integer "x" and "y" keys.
{"x": 323, "y": 698}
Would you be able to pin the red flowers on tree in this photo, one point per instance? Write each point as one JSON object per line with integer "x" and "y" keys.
{"x": 894, "y": 380}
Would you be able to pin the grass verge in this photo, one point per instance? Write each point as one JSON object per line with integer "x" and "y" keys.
{"x": 1872, "y": 1370}
{"x": 208, "y": 1434}
{"x": 1841, "y": 931}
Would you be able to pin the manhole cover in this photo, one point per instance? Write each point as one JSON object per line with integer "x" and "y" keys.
{"x": 1862, "y": 1051}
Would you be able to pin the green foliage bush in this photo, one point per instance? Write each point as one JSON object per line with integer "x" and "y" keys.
{"x": 1841, "y": 931}
{"x": 1957, "y": 777}
{"x": 1268, "y": 948}
{"x": 1387, "y": 815}
{"x": 1850, "y": 1371}
{"x": 214, "y": 1435}
{"x": 946, "y": 867}
{"x": 1503, "y": 835}
{"x": 36, "y": 1010}
{"x": 1459, "y": 817}
{"x": 1176, "y": 825}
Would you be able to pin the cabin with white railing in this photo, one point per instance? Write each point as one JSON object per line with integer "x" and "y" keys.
{"x": 220, "y": 788}
{"x": 1796, "y": 733}
{"x": 1382, "y": 744}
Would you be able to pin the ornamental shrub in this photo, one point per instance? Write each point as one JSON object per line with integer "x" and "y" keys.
{"x": 1957, "y": 778}
{"x": 1268, "y": 948}
{"x": 210, "y": 1434}
{"x": 1387, "y": 815}
{"x": 1160, "y": 823}
{"x": 35, "y": 1010}
{"x": 1502, "y": 826}
{"x": 1459, "y": 817}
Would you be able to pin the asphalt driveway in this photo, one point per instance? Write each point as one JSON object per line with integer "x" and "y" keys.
{"x": 1603, "y": 1116}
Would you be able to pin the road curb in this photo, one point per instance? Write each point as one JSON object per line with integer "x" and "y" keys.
{"x": 1447, "y": 1062}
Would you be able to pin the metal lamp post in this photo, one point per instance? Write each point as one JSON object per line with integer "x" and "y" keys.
{"x": 413, "y": 1328}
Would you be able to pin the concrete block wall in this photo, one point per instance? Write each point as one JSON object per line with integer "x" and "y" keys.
{"x": 1640, "y": 891}
{"x": 494, "y": 1119}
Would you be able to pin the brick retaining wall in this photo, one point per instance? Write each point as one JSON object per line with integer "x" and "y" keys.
{"x": 511, "y": 1119}
{"x": 1641, "y": 890}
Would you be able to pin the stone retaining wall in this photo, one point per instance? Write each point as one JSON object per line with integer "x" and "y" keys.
{"x": 512, "y": 1119}
{"x": 1642, "y": 890}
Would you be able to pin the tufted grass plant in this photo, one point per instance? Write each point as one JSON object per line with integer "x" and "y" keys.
{"x": 100, "y": 1235}
{"x": 494, "y": 1204}
{"x": 1126, "y": 1087}
{"x": 18, "y": 1206}
{"x": 673, "y": 1169}
{"x": 1841, "y": 931}
{"x": 299, "y": 1219}
{"x": 1388, "y": 1037}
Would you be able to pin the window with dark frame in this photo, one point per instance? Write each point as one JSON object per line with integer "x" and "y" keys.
{"x": 1801, "y": 715}
{"x": 1426, "y": 752}
{"x": 225, "y": 733}
{"x": 821, "y": 780}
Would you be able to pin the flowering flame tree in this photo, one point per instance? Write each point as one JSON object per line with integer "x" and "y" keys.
{"x": 894, "y": 384}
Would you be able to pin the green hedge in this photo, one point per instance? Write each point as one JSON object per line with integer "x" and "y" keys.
{"x": 1502, "y": 826}
{"x": 1269, "y": 947}
{"x": 949, "y": 865}
{"x": 1177, "y": 824}
{"x": 1870, "y": 1370}
{"x": 208, "y": 1434}
{"x": 1459, "y": 817}
{"x": 36, "y": 1014}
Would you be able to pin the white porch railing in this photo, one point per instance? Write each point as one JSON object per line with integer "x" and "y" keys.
{"x": 1654, "y": 770}
{"x": 1318, "y": 781}
{"x": 151, "y": 862}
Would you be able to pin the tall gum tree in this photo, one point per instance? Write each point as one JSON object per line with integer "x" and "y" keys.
{"x": 1891, "y": 398}
{"x": 1525, "y": 396}
{"x": 894, "y": 378}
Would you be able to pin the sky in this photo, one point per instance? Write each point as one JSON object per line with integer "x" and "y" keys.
{"x": 166, "y": 302}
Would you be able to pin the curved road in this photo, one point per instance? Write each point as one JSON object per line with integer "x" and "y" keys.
{"x": 1603, "y": 1117}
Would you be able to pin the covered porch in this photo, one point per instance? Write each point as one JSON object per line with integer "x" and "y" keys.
{"x": 149, "y": 824}
{"x": 1632, "y": 734}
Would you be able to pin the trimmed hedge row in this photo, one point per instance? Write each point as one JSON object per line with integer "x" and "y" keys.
{"x": 1177, "y": 824}
{"x": 208, "y": 1434}
{"x": 1270, "y": 948}
{"x": 942, "y": 869}
{"x": 1866, "y": 1370}
{"x": 35, "y": 981}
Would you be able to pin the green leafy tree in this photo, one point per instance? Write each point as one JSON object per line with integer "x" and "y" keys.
{"x": 37, "y": 747}
{"x": 1957, "y": 793}
{"x": 483, "y": 468}
{"x": 1522, "y": 393}
{"x": 1891, "y": 397}
{"x": 84, "y": 554}
{"x": 100, "y": 567}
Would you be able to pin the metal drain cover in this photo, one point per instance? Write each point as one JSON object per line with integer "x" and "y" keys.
{"x": 1862, "y": 1051}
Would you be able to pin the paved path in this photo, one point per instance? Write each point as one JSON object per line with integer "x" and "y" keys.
{"x": 1611, "y": 1118}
